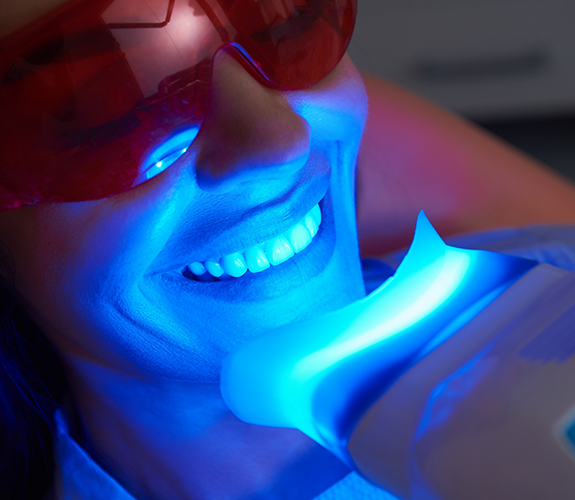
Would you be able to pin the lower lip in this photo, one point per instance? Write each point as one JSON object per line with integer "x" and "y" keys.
{"x": 277, "y": 280}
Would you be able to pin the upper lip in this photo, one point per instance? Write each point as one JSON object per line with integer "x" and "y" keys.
{"x": 251, "y": 226}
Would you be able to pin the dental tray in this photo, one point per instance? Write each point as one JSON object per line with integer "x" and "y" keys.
{"x": 320, "y": 375}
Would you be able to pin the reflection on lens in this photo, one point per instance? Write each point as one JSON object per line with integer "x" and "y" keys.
{"x": 168, "y": 152}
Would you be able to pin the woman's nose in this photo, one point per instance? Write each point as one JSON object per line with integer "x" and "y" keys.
{"x": 250, "y": 133}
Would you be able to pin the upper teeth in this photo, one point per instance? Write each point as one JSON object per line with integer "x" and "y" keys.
{"x": 259, "y": 258}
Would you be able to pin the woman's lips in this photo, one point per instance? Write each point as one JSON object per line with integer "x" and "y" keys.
{"x": 214, "y": 226}
{"x": 261, "y": 257}
{"x": 274, "y": 282}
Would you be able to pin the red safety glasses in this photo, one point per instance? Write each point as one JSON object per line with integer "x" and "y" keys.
{"x": 98, "y": 96}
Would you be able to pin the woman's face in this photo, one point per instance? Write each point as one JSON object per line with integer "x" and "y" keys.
{"x": 104, "y": 279}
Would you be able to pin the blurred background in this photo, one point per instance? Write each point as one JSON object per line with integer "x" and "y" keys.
{"x": 508, "y": 65}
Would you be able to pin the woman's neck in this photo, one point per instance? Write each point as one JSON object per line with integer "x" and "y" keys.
{"x": 177, "y": 440}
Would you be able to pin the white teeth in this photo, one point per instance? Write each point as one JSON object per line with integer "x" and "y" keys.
{"x": 311, "y": 224}
{"x": 299, "y": 237}
{"x": 258, "y": 258}
{"x": 198, "y": 268}
{"x": 315, "y": 212}
{"x": 235, "y": 265}
{"x": 214, "y": 268}
{"x": 278, "y": 250}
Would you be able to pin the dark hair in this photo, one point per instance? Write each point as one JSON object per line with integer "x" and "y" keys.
{"x": 32, "y": 383}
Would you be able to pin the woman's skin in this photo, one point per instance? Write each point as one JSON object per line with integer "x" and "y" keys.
{"x": 142, "y": 344}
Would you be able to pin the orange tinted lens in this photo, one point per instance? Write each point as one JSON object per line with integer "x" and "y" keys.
{"x": 100, "y": 94}
{"x": 295, "y": 43}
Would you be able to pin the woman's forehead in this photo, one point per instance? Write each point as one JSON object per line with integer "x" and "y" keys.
{"x": 16, "y": 13}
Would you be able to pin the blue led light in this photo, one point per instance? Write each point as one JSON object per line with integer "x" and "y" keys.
{"x": 321, "y": 374}
{"x": 169, "y": 152}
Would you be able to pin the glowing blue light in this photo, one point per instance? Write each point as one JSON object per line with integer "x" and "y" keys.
{"x": 413, "y": 301}
{"x": 168, "y": 152}
{"x": 321, "y": 374}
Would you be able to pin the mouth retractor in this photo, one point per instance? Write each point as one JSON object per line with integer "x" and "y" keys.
{"x": 321, "y": 374}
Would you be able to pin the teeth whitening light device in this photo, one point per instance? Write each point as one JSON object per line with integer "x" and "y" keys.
{"x": 397, "y": 383}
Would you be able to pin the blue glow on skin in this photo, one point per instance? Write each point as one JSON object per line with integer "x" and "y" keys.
{"x": 143, "y": 344}
{"x": 169, "y": 152}
{"x": 321, "y": 374}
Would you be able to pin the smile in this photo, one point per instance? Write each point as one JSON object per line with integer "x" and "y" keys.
{"x": 262, "y": 256}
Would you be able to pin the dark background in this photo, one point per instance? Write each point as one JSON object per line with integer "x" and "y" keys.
{"x": 551, "y": 139}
